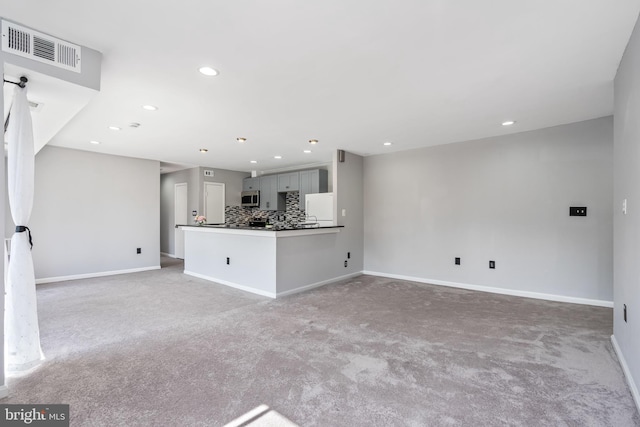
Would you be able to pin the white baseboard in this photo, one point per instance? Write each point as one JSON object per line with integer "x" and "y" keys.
{"x": 169, "y": 255}
{"x": 231, "y": 284}
{"x": 4, "y": 391}
{"x": 92, "y": 275}
{"x": 318, "y": 284}
{"x": 271, "y": 294}
{"x": 493, "y": 290}
{"x": 627, "y": 373}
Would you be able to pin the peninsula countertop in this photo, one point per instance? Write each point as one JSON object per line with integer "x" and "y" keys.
{"x": 276, "y": 231}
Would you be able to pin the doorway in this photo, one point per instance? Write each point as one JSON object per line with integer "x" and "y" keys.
{"x": 214, "y": 202}
{"x": 181, "y": 217}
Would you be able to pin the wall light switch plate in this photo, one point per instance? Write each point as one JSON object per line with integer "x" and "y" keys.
{"x": 624, "y": 207}
{"x": 344, "y": 212}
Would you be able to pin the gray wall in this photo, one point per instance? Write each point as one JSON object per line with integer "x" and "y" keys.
{"x": 627, "y": 227}
{"x": 348, "y": 186}
{"x": 195, "y": 179}
{"x": 505, "y": 199}
{"x": 91, "y": 211}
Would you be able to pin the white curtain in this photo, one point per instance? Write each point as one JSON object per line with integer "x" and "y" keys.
{"x": 22, "y": 333}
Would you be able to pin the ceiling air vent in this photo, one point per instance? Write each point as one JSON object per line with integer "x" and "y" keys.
{"x": 40, "y": 47}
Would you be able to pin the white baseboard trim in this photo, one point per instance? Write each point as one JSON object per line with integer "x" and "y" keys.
{"x": 493, "y": 290}
{"x": 231, "y": 284}
{"x": 4, "y": 391}
{"x": 627, "y": 373}
{"x": 92, "y": 275}
{"x": 271, "y": 294}
{"x": 169, "y": 255}
{"x": 318, "y": 284}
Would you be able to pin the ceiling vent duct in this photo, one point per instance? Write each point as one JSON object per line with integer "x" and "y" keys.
{"x": 40, "y": 47}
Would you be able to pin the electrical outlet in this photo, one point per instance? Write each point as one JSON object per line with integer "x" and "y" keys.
{"x": 578, "y": 211}
{"x": 492, "y": 264}
{"x": 138, "y": 250}
{"x": 345, "y": 262}
{"x": 457, "y": 261}
{"x": 624, "y": 312}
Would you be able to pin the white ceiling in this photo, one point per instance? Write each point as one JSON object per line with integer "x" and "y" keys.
{"x": 352, "y": 74}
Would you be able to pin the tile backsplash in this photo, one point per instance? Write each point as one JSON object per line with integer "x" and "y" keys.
{"x": 237, "y": 215}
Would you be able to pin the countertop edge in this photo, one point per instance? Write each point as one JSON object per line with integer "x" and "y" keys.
{"x": 267, "y": 232}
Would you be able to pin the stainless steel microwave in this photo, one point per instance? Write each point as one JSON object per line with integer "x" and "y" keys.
{"x": 250, "y": 198}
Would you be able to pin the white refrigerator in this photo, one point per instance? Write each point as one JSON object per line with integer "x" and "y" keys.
{"x": 319, "y": 208}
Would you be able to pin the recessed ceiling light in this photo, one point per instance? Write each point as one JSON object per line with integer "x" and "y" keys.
{"x": 208, "y": 71}
{"x": 203, "y": 150}
{"x": 307, "y": 151}
{"x": 241, "y": 140}
{"x": 150, "y": 107}
{"x": 313, "y": 141}
{"x": 114, "y": 128}
{"x": 508, "y": 123}
{"x": 95, "y": 142}
{"x": 277, "y": 157}
{"x": 387, "y": 143}
{"x": 253, "y": 161}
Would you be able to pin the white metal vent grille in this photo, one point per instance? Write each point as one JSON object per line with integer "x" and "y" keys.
{"x": 40, "y": 47}
{"x": 18, "y": 40}
{"x": 44, "y": 49}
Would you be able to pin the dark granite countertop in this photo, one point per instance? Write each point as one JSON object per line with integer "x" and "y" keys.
{"x": 246, "y": 227}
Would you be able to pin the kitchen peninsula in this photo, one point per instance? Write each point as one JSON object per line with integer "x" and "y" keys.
{"x": 264, "y": 261}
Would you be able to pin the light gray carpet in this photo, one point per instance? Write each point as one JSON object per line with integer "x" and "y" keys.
{"x": 161, "y": 348}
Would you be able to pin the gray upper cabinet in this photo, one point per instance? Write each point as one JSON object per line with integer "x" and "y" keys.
{"x": 288, "y": 181}
{"x": 270, "y": 199}
{"x": 251, "y": 184}
{"x": 312, "y": 181}
{"x": 273, "y": 188}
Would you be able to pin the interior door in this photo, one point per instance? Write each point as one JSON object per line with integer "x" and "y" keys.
{"x": 214, "y": 202}
{"x": 181, "y": 218}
